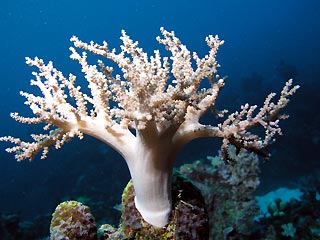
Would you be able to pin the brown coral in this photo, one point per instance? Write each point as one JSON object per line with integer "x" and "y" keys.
{"x": 72, "y": 220}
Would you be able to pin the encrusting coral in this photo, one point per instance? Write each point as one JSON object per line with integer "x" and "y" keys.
{"x": 147, "y": 114}
{"x": 73, "y": 220}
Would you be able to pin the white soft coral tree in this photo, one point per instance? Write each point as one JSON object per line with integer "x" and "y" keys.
{"x": 147, "y": 115}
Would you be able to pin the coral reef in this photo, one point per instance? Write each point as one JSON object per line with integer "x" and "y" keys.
{"x": 227, "y": 209}
{"x": 298, "y": 219}
{"x": 12, "y": 227}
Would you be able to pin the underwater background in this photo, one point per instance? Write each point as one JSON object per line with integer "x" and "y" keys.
{"x": 266, "y": 43}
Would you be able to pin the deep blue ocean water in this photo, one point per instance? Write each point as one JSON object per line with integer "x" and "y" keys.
{"x": 265, "y": 43}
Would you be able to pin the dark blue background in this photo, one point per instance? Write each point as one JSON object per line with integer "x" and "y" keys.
{"x": 259, "y": 37}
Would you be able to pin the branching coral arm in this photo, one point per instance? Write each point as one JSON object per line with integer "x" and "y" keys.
{"x": 53, "y": 109}
{"x": 235, "y": 129}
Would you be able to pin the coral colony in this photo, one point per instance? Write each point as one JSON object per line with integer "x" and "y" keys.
{"x": 147, "y": 114}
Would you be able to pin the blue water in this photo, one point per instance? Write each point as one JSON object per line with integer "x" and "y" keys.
{"x": 265, "y": 42}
